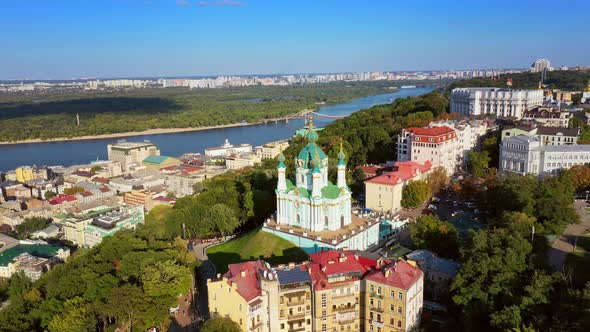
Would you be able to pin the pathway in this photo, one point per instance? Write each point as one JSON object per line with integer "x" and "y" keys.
{"x": 564, "y": 244}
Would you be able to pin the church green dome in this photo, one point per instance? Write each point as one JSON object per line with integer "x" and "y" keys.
{"x": 311, "y": 155}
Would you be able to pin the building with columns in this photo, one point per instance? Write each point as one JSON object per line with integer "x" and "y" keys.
{"x": 312, "y": 211}
{"x": 494, "y": 101}
{"x": 527, "y": 155}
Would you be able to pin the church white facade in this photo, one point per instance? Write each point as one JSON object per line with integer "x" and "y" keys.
{"x": 312, "y": 202}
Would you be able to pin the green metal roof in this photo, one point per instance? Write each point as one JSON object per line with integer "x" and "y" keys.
{"x": 155, "y": 159}
{"x": 290, "y": 185}
{"x": 331, "y": 191}
{"x": 311, "y": 152}
{"x": 38, "y": 250}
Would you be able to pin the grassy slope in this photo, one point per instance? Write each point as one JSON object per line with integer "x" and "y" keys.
{"x": 255, "y": 244}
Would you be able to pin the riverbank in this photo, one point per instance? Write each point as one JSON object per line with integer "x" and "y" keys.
{"x": 155, "y": 131}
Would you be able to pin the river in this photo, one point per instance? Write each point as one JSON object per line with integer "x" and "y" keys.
{"x": 175, "y": 144}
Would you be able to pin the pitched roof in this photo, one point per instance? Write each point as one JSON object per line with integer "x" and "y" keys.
{"x": 244, "y": 275}
{"x": 153, "y": 159}
{"x": 398, "y": 273}
{"x": 335, "y": 262}
{"x": 405, "y": 170}
{"x": 431, "y": 131}
{"x": 558, "y": 131}
{"x": 61, "y": 198}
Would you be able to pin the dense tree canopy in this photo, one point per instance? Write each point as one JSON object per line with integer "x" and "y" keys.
{"x": 125, "y": 281}
{"x": 415, "y": 194}
{"x": 429, "y": 232}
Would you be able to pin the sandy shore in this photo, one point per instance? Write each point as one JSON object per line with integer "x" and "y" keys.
{"x": 130, "y": 133}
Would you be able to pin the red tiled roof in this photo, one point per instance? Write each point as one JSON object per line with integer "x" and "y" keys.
{"x": 104, "y": 189}
{"x": 431, "y": 131}
{"x": 61, "y": 198}
{"x": 398, "y": 273}
{"x": 326, "y": 263}
{"x": 247, "y": 285}
{"x": 369, "y": 170}
{"x": 405, "y": 170}
{"x": 101, "y": 180}
{"x": 85, "y": 174}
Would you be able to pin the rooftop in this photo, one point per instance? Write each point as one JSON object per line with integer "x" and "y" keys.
{"x": 122, "y": 145}
{"x": 431, "y": 131}
{"x": 338, "y": 263}
{"x": 38, "y": 250}
{"x": 398, "y": 273}
{"x": 153, "y": 159}
{"x": 405, "y": 170}
{"x": 244, "y": 275}
{"x": 429, "y": 261}
{"x": 357, "y": 225}
{"x": 292, "y": 275}
{"x": 558, "y": 131}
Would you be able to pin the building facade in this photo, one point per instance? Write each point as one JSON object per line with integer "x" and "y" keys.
{"x": 384, "y": 192}
{"x": 335, "y": 291}
{"x": 228, "y": 149}
{"x": 437, "y": 145}
{"x": 130, "y": 154}
{"x": 526, "y": 155}
{"x": 313, "y": 212}
{"x": 494, "y": 101}
{"x": 548, "y": 117}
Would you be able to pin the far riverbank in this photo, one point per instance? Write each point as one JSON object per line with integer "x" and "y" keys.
{"x": 155, "y": 131}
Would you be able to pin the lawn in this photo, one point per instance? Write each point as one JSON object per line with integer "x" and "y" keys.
{"x": 579, "y": 264}
{"x": 254, "y": 245}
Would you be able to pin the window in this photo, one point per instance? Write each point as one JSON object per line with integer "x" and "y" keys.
{"x": 400, "y": 296}
{"x": 391, "y": 307}
{"x": 282, "y": 326}
{"x": 399, "y": 323}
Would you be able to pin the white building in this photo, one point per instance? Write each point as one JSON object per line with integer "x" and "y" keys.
{"x": 494, "y": 101}
{"x": 241, "y": 160}
{"x": 540, "y": 65}
{"x": 313, "y": 212}
{"x": 526, "y": 155}
{"x": 228, "y": 149}
{"x": 586, "y": 94}
{"x": 271, "y": 150}
{"x": 437, "y": 145}
{"x": 129, "y": 154}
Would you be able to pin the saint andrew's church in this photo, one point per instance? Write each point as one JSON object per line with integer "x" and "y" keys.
{"x": 315, "y": 207}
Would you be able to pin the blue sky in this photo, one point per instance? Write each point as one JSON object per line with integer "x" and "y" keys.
{"x": 51, "y": 39}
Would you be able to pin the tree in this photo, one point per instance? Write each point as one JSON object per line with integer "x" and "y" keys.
{"x": 487, "y": 286}
{"x": 75, "y": 317}
{"x": 429, "y": 232}
{"x": 31, "y": 225}
{"x": 554, "y": 200}
{"x": 578, "y": 175}
{"x": 49, "y": 194}
{"x": 95, "y": 169}
{"x": 414, "y": 194}
{"x": 437, "y": 179}
{"x": 218, "y": 324}
{"x": 166, "y": 279}
{"x": 478, "y": 163}
{"x": 127, "y": 304}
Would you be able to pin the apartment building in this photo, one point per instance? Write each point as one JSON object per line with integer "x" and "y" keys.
{"x": 271, "y": 150}
{"x": 335, "y": 291}
{"x": 337, "y": 282}
{"x": 384, "y": 192}
{"x": 437, "y": 145}
{"x": 548, "y": 116}
{"x": 393, "y": 297}
{"x": 545, "y": 135}
{"x": 239, "y": 161}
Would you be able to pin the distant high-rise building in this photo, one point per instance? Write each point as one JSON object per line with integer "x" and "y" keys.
{"x": 540, "y": 65}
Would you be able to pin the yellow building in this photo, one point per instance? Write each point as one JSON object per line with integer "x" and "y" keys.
{"x": 384, "y": 192}
{"x": 337, "y": 278}
{"x": 393, "y": 297}
{"x": 335, "y": 291}
{"x": 237, "y": 295}
{"x": 24, "y": 174}
{"x": 155, "y": 163}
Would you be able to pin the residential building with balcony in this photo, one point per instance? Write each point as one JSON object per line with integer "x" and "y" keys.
{"x": 393, "y": 297}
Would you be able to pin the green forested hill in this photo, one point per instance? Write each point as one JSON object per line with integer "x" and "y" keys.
{"x": 54, "y": 115}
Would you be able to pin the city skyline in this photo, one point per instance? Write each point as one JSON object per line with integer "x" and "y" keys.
{"x": 171, "y": 38}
